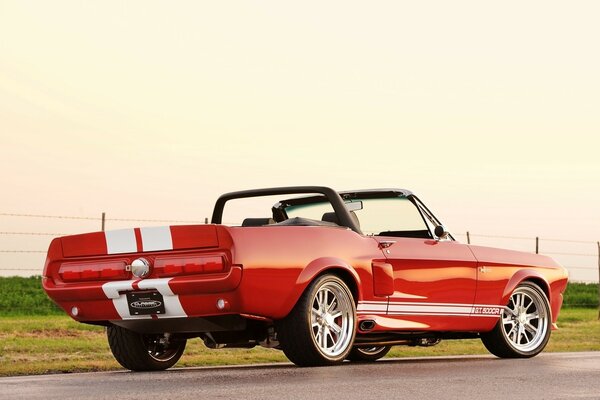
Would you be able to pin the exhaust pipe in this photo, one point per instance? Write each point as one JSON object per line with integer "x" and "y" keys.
{"x": 366, "y": 325}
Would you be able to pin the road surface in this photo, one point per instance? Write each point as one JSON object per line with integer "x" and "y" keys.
{"x": 547, "y": 376}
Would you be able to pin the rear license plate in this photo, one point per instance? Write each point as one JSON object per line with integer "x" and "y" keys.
{"x": 145, "y": 303}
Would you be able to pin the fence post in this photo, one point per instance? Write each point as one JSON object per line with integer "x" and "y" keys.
{"x": 537, "y": 245}
{"x": 205, "y": 220}
{"x": 468, "y": 238}
{"x": 103, "y": 220}
{"x": 598, "y": 243}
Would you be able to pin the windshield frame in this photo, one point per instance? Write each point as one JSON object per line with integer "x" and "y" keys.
{"x": 429, "y": 219}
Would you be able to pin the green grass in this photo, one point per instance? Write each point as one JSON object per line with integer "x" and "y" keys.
{"x": 53, "y": 344}
{"x": 25, "y": 296}
{"x": 581, "y": 295}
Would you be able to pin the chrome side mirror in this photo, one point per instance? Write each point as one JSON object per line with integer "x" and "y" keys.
{"x": 440, "y": 232}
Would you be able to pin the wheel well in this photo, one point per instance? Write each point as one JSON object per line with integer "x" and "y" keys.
{"x": 541, "y": 284}
{"x": 346, "y": 277}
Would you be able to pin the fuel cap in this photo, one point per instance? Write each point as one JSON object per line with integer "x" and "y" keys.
{"x": 140, "y": 268}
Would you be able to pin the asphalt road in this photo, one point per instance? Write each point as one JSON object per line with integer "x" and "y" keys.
{"x": 547, "y": 376}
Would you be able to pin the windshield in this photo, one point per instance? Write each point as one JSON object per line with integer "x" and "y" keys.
{"x": 390, "y": 216}
{"x": 311, "y": 210}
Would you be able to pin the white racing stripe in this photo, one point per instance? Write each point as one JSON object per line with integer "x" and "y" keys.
{"x": 153, "y": 239}
{"x": 173, "y": 308}
{"x": 120, "y": 241}
{"x": 156, "y": 238}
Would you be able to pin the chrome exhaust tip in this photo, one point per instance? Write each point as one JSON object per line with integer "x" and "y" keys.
{"x": 366, "y": 325}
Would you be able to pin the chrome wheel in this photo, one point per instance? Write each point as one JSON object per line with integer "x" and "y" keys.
{"x": 525, "y": 319}
{"x": 332, "y": 319}
{"x": 320, "y": 328}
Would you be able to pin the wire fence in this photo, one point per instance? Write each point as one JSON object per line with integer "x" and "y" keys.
{"x": 580, "y": 257}
{"x": 23, "y": 253}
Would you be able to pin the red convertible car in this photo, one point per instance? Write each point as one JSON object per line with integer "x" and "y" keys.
{"x": 324, "y": 276}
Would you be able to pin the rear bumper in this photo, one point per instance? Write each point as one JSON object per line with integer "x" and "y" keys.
{"x": 193, "y": 325}
{"x": 186, "y": 296}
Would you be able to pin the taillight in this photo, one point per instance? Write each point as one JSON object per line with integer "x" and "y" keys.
{"x": 92, "y": 271}
{"x": 171, "y": 266}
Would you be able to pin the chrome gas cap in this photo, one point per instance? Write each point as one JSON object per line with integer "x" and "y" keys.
{"x": 140, "y": 268}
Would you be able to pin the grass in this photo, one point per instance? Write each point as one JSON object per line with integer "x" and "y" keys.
{"x": 581, "y": 295}
{"x": 25, "y": 296}
{"x": 54, "y": 344}
{"x": 37, "y": 337}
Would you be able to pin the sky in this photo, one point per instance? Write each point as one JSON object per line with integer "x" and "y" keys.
{"x": 489, "y": 111}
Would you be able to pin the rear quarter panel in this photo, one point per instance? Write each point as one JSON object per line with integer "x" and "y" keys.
{"x": 280, "y": 262}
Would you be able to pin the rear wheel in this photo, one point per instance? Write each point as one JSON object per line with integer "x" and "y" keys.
{"x": 139, "y": 352}
{"x": 366, "y": 354}
{"x": 320, "y": 329}
{"x": 524, "y": 326}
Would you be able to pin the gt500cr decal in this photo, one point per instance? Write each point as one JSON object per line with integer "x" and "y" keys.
{"x": 487, "y": 310}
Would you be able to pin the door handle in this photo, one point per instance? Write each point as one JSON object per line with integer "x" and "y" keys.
{"x": 384, "y": 244}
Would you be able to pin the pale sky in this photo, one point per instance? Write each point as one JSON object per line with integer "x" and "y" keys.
{"x": 489, "y": 111}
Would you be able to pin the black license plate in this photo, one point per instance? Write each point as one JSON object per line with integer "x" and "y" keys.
{"x": 145, "y": 303}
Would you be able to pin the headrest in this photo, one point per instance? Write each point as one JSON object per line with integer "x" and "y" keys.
{"x": 332, "y": 217}
{"x": 258, "y": 221}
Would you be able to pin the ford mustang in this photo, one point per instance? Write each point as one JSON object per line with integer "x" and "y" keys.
{"x": 324, "y": 276}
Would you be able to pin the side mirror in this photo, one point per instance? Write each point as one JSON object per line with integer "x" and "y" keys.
{"x": 440, "y": 232}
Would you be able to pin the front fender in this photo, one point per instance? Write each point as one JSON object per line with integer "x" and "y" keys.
{"x": 523, "y": 275}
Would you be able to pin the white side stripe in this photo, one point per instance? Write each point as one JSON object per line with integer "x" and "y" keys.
{"x": 440, "y": 309}
{"x": 426, "y": 308}
{"x": 156, "y": 238}
{"x": 372, "y": 307}
{"x": 120, "y": 241}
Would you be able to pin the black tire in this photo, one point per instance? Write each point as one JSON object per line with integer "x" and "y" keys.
{"x": 312, "y": 334}
{"x": 368, "y": 354}
{"x": 139, "y": 352}
{"x": 517, "y": 334}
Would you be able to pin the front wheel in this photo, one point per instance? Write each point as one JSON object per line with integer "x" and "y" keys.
{"x": 139, "y": 352}
{"x": 366, "y": 354}
{"x": 320, "y": 329}
{"x": 524, "y": 326}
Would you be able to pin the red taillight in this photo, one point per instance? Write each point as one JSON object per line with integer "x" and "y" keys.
{"x": 171, "y": 266}
{"x": 92, "y": 271}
